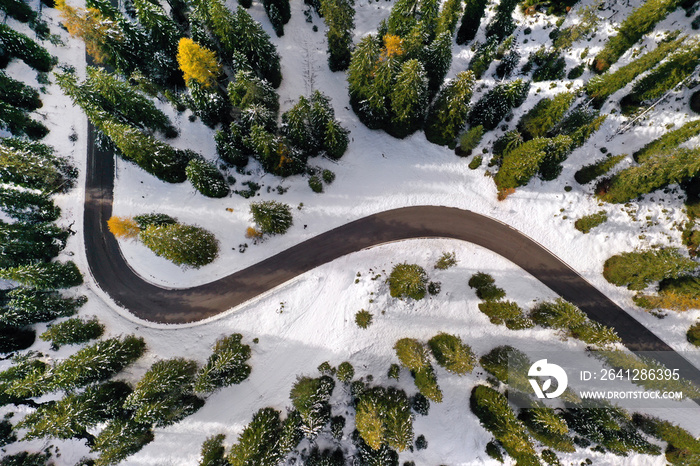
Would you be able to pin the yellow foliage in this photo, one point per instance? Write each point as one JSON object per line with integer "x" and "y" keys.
{"x": 671, "y": 300}
{"x": 252, "y": 232}
{"x": 393, "y": 46}
{"x": 197, "y": 62}
{"x": 123, "y": 227}
{"x": 89, "y": 25}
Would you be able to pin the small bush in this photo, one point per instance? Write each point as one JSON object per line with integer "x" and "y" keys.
{"x": 470, "y": 139}
{"x": 447, "y": 260}
{"x": 506, "y": 312}
{"x": 272, "y": 217}
{"x": 345, "y": 372}
{"x": 589, "y": 222}
{"x": 328, "y": 176}
{"x": 363, "y": 318}
{"x": 550, "y": 65}
{"x": 475, "y": 162}
{"x": 562, "y": 315}
{"x": 485, "y": 286}
{"x": 408, "y": 281}
{"x": 494, "y": 451}
{"x": 420, "y": 404}
{"x": 576, "y": 71}
{"x": 421, "y": 443}
{"x": 434, "y": 288}
{"x": 316, "y": 184}
{"x": 394, "y": 372}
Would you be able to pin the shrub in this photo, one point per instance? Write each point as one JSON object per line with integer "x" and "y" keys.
{"x": 475, "y": 163}
{"x": 452, "y": 354}
{"x": 272, "y": 217}
{"x": 589, "y": 222}
{"x": 548, "y": 427}
{"x": 447, "y": 260}
{"x": 421, "y": 443}
{"x": 485, "y": 286}
{"x": 184, "y": 245}
{"x": 394, "y": 371}
{"x": 363, "y": 318}
{"x": 345, "y": 372}
{"x": 316, "y": 184}
{"x": 636, "y": 270}
{"x": 550, "y": 65}
{"x": 412, "y": 354}
{"x": 470, "y": 140}
{"x": 328, "y": 176}
{"x": 408, "y": 281}
{"x": 420, "y": 404}
{"x": 590, "y": 172}
{"x": 506, "y": 312}
{"x": 564, "y": 316}
{"x": 434, "y": 288}
{"x": 576, "y": 72}
{"x": 73, "y": 331}
{"x": 206, "y": 178}
{"x": 633, "y": 28}
{"x": 426, "y": 383}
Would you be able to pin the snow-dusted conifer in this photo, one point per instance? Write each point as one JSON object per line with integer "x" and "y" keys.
{"x": 448, "y": 114}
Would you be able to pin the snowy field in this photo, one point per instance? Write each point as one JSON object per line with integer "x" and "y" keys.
{"x": 316, "y": 322}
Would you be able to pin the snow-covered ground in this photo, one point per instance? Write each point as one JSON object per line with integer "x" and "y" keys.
{"x": 316, "y": 322}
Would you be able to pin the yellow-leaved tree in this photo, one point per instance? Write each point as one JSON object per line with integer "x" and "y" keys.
{"x": 123, "y": 227}
{"x": 92, "y": 27}
{"x": 197, "y": 62}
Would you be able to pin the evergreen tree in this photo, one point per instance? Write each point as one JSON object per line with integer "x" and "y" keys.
{"x": 28, "y": 207}
{"x": 335, "y": 140}
{"x": 164, "y": 34}
{"x": 451, "y": 353}
{"x": 226, "y": 366}
{"x": 473, "y": 12}
{"x": 412, "y": 354}
{"x": 522, "y": 163}
{"x": 94, "y": 363}
{"x": 438, "y": 58}
{"x": 198, "y": 63}
{"x": 544, "y": 116}
{"x": 255, "y": 44}
{"x": 408, "y": 281}
{"x": 164, "y": 394}
{"x": 206, "y": 178}
{"x": 636, "y": 270}
{"x": 34, "y": 165}
{"x": 119, "y": 440}
{"x": 22, "y": 243}
{"x": 184, "y": 245}
{"x": 265, "y": 441}
{"x": 502, "y": 24}
{"x": 409, "y": 99}
{"x": 71, "y": 416}
{"x": 427, "y": 385}
{"x": 72, "y": 332}
{"x": 271, "y": 217}
{"x": 279, "y": 13}
{"x": 310, "y": 398}
{"x": 45, "y": 276}
{"x": 345, "y": 372}
{"x": 448, "y": 113}
{"x": 493, "y": 106}
{"x": 383, "y": 417}
{"x": 15, "y": 339}
{"x": 247, "y": 90}
{"x": 402, "y": 17}
{"x": 340, "y": 20}
{"x": 213, "y": 451}
{"x": 24, "y": 306}
{"x": 209, "y": 103}
{"x": 449, "y": 15}
{"x": 18, "y": 94}
{"x": 361, "y": 83}
{"x": 18, "y": 45}
{"x": 428, "y": 12}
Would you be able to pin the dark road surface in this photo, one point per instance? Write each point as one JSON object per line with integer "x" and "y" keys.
{"x": 175, "y": 306}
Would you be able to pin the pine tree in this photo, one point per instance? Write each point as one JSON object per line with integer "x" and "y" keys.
{"x": 473, "y": 12}
{"x": 360, "y": 79}
{"x": 164, "y": 34}
{"x": 34, "y": 165}
{"x": 22, "y": 243}
{"x": 45, "y": 276}
{"x": 493, "y": 106}
{"x": 438, "y": 59}
{"x": 412, "y": 354}
{"x": 247, "y": 90}
{"x": 449, "y": 15}
{"x": 184, "y": 245}
{"x": 120, "y": 439}
{"x": 213, "y": 451}
{"x": 345, "y": 372}
{"x": 402, "y": 17}
{"x": 19, "y": 381}
{"x": 164, "y": 394}
{"x": 206, "y": 178}
{"x": 398, "y": 420}
{"x": 451, "y": 353}
{"x": 310, "y": 398}
{"x": 71, "y": 416}
{"x": 27, "y": 206}
{"x": 226, "y": 366}
{"x": 197, "y": 63}
{"x": 340, "y": 20}
{"x": 637, "y": 269}
{"x": 409, "y": 99}
{"x": 271, "y": 217}
{"x": 368, "y": 418}
{"x": 72, "y": 332}
{"x": 279, "y": 13}
{"x": 448, "y": 114}
{"x": 502, "y": 24}
{"x": 255, "y": 44}
{"x": 335, "y": 140}
{"x": 428, "y": 11}
{"x": 296, "y": 127}
{"x": 93, "y": 363}
{"x": 18, "y": 94}
{"x": 544, "y": 116}
{"x": 257, "y": 444}
{"x": 427, "y": 385}
{"x": 26, "y": 306}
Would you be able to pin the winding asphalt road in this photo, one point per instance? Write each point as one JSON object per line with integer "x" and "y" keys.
{"x": 174, "y": 306}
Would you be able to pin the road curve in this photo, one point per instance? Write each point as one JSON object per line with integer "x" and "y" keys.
{"x": 174, "y": 306}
